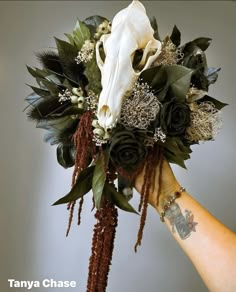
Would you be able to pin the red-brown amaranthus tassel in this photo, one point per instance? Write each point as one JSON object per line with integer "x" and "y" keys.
{"x": 83, "y": 140}
{"x": 102, "y": 247}
{"x": 153, "y": 160}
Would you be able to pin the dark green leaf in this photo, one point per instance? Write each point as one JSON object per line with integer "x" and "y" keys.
{"x": 93, "y": 74}
{"x": 49, "y": 86}
{"x": 82, "y": 186}
{"x": 35, "y": 72}
{"x": 175, "y": 159}
{"x": 99, "y": 178}
{"x": 81, "y": 33}
{"x": 218, "y": 104}
{"x": 176, "y": 151}
{"x": 93, "y": 22}
{"x": 175, "y": 36}
{"x": 39, "y": 91}
{"x": 154, "y": 25}
{"x": 65, "y": 155}
{"x": 70, "y": 38}
{"x": 117, "y": 198}
{"x": 179, "y": 78}
{"x": 156, "y": 77}
{"x": 67, "y": 54}
{"x": 202, "y": 43}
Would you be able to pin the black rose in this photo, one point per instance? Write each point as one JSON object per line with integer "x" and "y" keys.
{"x": 174, "y": 117}
{"x": 127, "y": 150}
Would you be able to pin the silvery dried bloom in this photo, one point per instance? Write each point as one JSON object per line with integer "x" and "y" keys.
{"x": 195, "y": 94}
{"x": 86, "y": 53}
{"x": 169, "y": 55}
{"x": 91, "y": 101}
{"x": 140, "y": 108}
{"x": 159, "y": 135}
{"x": 205, "y": 122}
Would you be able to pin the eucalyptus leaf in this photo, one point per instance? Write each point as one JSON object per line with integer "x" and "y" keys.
{"x": 81, "y": 33}
{"x": 99, "y": 178}
{"x": 82, "y": 186}
{"x": 118, "y": 198}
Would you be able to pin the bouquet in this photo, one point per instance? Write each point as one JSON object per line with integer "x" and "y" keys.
{"x": 117, "y": 99}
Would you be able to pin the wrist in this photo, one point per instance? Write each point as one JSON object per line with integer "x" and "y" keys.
{"x": 167, "y": 194}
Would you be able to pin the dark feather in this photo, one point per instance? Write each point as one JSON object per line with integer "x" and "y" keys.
{"x": 50, "y": 60}
{"x": 46, "y": 108}
{"x": 61, "y": 136}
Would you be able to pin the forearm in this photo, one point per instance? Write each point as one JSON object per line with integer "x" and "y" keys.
{"x": 209, "y": 244}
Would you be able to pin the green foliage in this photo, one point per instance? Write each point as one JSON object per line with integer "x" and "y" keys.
{"x": 176, "y": 151}
{"x": 202, "y": 43}
{"x": 99, "y": 178}
{"x": 39, "y": 91}
{"x": 179, "y": 79}
{"x": 93, "y": 75}
{"x": 37, "y": 73}
{"x": 93, "y": 22}
{"x": 82, "y": 186}
{"x": 163, "y": 77}
{"x": 175, "y": 36}
{"x": 218, "y": 104}
{"x": 154, "y": 25}
{"x": 80, "y": 34}
{"x": 65, "y": 155}
{"x": 67, "y": 54}
{"x": 118, "y": 198}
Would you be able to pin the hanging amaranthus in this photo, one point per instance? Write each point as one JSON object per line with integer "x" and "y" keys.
{"x": 102, "y": 247}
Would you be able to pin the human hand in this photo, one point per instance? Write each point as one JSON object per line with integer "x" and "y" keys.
{"x": 164, "y": 178}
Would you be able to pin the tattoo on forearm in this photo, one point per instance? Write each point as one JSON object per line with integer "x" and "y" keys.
{"x": 183, "y": 224}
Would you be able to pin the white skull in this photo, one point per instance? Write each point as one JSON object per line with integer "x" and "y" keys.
{"x": 131, "y": 31}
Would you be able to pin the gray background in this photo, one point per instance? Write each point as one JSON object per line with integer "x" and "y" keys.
{"x": 33, "y": 243}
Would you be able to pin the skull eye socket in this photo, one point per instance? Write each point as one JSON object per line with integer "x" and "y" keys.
{"x": 102, "y": 52}
{"x": 138, "y": 54}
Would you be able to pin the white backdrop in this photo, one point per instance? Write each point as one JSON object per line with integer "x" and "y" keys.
{"x": 33, "y": 243}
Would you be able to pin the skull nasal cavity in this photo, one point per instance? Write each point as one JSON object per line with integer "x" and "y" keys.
{"x": 105, "y": 111}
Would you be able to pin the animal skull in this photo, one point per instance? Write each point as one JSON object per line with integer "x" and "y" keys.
{"x": 131, "y": 31}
